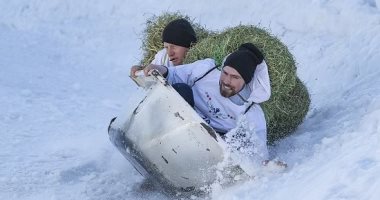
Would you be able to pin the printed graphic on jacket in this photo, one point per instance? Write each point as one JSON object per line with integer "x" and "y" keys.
{"x": 216, "y": 111}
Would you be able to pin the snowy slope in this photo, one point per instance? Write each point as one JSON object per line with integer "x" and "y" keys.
{"x": 64, "y": 69}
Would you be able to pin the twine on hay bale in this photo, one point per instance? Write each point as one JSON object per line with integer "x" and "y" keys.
{"x": 152, "y": 41}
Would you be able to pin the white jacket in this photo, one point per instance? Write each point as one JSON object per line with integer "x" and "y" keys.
{"x": 220, "y": 112}
{"x": 162, "y": 58}
{"x": 260, "y": 82}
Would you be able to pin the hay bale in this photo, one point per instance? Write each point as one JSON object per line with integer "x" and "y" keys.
{"x": 290, "y": 100}
{"x": 152, "y": 41}
{"x": 286, "y": 112}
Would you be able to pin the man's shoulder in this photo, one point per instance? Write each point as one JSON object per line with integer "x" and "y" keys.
{"x": 207, "y": 61}
{"x": 161, "y": 52}
{"x": 205, "y": 64}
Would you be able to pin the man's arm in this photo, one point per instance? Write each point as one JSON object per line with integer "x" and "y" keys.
{"x": 182, "y": 73}
{"x": 260, "y": 84}
{"x": 188, "y": 73}
{"x": 256, "y": 119}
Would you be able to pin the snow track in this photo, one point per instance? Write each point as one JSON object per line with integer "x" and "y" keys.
{"x": 64, "y": 69}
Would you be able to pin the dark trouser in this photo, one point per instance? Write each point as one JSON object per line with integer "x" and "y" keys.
{"x": 185, "y": 91}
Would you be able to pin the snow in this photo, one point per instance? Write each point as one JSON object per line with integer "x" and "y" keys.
{"x": 64, "y": 70}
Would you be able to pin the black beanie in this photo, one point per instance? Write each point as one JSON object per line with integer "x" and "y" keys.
{"x": 179, "y": 32}
{"x": 252, "y": 48}
{"x": 244, "y": 61}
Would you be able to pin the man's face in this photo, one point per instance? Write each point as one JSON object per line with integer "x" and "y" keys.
{"x": 176, "y": 53}
{"x": 230, "y": 82}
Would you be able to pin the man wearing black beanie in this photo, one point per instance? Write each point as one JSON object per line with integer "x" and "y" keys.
{"x": 179, "y": 32}
{"x": 244, "y": 62}
{"x": 177, "y": 37}
{"x": 238, "y": 70}
{"x": 248, "y": 62}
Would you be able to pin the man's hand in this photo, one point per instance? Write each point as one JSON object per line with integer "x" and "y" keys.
{"x": 134, "y": 69}
{"x": 160, "y": 68}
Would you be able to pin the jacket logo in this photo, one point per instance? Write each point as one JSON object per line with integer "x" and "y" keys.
{"x": 213, "y": 110}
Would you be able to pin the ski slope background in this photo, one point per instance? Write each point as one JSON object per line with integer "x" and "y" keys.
{"x": 64, "y": 68}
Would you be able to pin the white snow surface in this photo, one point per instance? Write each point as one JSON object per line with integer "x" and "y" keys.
{"x": 64, "y": 68}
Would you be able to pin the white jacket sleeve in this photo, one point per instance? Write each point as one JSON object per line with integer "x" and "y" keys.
{"x": 188, "y": 73}
{"x": 256, "y": 119}
{"x": 250, "y": 135}
{"x": 260, "y": 84}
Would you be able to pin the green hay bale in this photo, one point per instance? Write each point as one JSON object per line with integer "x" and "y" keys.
{"x": 281, "y": 65}
{"x": 285, "y": 113}
{"x": 152, "y": 41}
{"x": 290, "y": 100}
